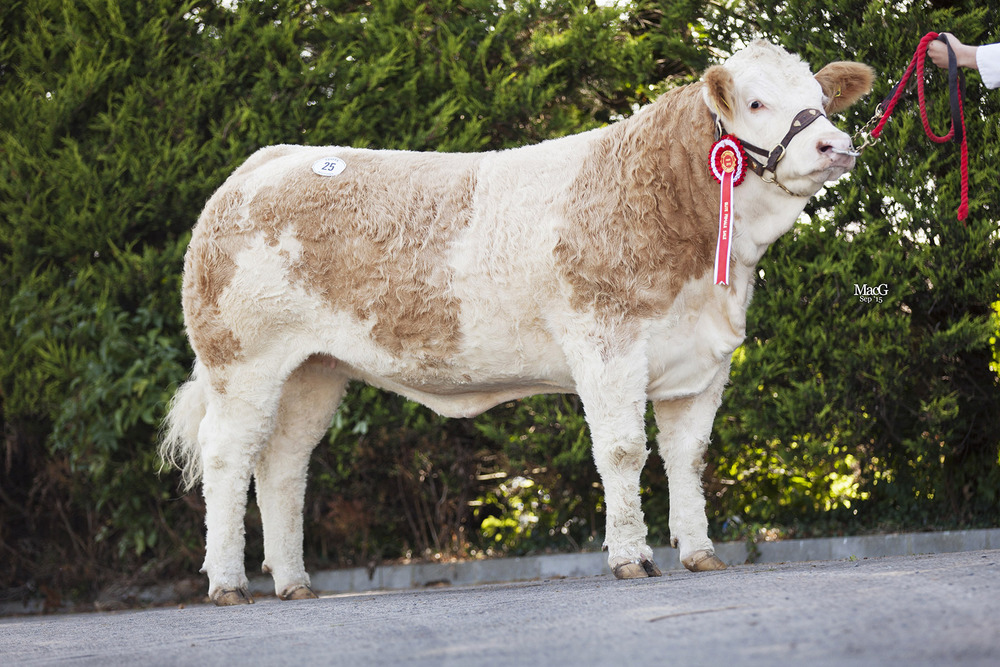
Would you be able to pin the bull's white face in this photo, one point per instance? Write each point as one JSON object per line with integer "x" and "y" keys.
{"x": 768, "y": 88}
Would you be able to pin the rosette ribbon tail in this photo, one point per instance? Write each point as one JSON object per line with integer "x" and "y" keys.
{"x": 728, "y": 164}
{"x": 723, "y": 246}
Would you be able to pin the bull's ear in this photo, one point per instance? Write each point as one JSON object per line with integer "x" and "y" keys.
{"x": 844, "y": 83}
{"x": 720, "y": 91}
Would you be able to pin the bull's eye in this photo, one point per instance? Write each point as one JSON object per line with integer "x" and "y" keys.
{"x": 756, "y": 105}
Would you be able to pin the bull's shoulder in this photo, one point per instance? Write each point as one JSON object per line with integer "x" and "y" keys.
{"x": 639, "y": 214}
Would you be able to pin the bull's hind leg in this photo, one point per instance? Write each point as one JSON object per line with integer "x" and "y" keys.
{"x": 308, "y": 401}
{"x": 611, "y": 381}
{"x": 235, "y": 427}
{"x": 685, "y": 426}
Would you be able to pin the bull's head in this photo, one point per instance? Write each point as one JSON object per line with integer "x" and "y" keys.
{"x": 758, "y": 95}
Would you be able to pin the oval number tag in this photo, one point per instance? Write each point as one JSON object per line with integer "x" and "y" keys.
{"x": 329, "y": 166}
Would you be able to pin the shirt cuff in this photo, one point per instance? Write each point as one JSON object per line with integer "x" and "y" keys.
{"x": 988, "y": 62}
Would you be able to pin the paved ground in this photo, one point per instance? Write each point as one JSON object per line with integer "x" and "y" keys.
{"x": 904, "y": 610}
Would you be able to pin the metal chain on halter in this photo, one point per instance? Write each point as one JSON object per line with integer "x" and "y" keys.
{"x": 864, "y": 132}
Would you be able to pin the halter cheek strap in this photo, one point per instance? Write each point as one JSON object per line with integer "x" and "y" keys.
{"x": 802, "y": 120}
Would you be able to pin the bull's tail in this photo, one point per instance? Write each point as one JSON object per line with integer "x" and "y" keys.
{"x": 179, "y": 434}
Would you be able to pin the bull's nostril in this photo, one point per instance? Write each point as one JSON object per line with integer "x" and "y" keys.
{"x": 825, "y": 148}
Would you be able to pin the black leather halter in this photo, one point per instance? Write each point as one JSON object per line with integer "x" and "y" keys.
{"x": 802, "y": 120}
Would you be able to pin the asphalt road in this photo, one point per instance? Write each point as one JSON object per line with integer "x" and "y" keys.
{"x": 938, "y": 609}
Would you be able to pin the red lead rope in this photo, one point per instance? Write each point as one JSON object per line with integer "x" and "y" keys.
{"x": 957, "y": 132}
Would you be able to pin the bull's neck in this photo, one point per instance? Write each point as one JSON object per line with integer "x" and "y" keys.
{"x": 644, "y": 211}
{"x": 681, "y": 127}
{"x": 763, "y": 214}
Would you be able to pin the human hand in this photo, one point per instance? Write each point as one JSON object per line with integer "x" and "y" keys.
{"x": 965, "y": 55}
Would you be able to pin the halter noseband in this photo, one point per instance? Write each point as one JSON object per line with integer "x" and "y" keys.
{"x": 801, "y": 121}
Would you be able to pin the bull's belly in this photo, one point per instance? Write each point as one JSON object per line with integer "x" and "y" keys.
{"x": 485, "y": 373}
{"x": 495, "y": 368}
{"x": 462, "y": 399}
{"x": 678, "y": 371}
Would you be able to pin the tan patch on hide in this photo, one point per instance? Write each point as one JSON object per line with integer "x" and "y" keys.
{"x": 643, "y": 212}
{"x": 208, "y": 269}
{"x": 374, "y": 242}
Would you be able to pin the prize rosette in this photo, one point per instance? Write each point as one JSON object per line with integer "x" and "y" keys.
{"x": 727, "y": 157}
{"x": 728, "y": 163}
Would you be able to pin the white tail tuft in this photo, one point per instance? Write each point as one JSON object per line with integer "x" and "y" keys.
{"x": 179, "y": 434}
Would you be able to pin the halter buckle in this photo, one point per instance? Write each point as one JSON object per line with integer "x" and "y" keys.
{"x": 774, "y": 157}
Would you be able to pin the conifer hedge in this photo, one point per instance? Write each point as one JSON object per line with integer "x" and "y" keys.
{"x": 118, "y": 120}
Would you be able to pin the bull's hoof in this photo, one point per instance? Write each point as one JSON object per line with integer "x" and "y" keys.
{"x": 641, "y": 570}
{"x": 297, "y": 592}
{"x": 703, "y": 561}
{"x": 651, "y": 569}
{"x": 232, "y": 596}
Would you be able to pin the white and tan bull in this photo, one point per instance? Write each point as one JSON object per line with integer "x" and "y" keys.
{"x": 582, "y": 265}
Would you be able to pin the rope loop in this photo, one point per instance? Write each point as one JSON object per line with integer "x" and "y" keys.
{"x": 957, "y": 131}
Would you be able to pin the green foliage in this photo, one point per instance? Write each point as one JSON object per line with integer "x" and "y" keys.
{"x": 548, "y": 489}
{"x": 995, "y": 338}
{"x": 97, "y": 190}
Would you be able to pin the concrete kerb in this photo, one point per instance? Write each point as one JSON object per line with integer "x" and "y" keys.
{"x": 551, "y": 566}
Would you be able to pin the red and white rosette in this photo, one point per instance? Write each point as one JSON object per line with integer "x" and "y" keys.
{"x": 728, "y": 163}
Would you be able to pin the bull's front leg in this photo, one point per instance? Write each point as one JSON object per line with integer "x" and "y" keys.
{"x": 684, "y": 429}
{"x": 611, "y": 382}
